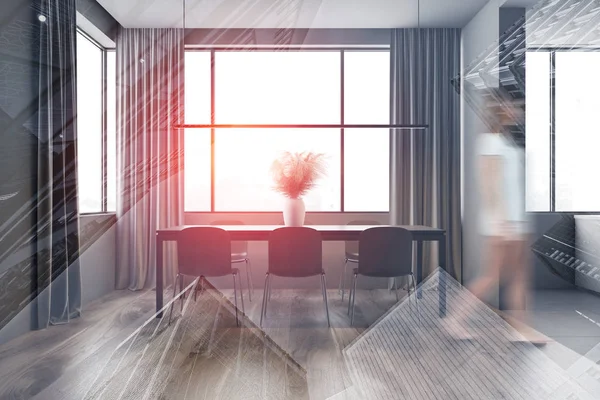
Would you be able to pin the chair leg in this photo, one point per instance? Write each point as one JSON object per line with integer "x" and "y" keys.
{"x": 173, "y": 299}
{"x": 237, "y": 322}
{"x": 249, "y": 279}
{"x": 353, "y": 299}
{"x": 264, "y": 301}
{"x": 343, "y": 279}
{"x": 324, "y": 290}
{"x": 270, "y": 287}
{"x": 199, "y": 286}
{"x": 414, "y": 282}
{"x": 350, "y": 292}
{"x": 396, "y": 288}
{"x": 241, "y": 292}
{"x": 181, "y": 284}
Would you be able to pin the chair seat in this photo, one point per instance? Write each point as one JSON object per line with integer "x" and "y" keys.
{"x": 239, "y": 257}
{"x": 295, "y": 276}
{"x": 355, "y": 271}
{"x": 352, "y": 257}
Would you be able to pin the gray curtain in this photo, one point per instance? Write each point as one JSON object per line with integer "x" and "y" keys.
{"x": 425, "y": 164}
{"x": 56, "y": 237}
{"x": 149, "y": 151}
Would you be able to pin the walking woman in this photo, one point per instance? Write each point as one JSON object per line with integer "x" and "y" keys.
{"x": 504, "y": 224}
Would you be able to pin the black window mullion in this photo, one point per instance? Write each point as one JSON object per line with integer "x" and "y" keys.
{"x": 553, "y": 131}
{"x": 212, "y": 131}
{"x": 342, "y": 136}
{"x": 104, "y": 110}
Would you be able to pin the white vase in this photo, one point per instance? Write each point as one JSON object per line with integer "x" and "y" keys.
{"x": 293, "y": 212}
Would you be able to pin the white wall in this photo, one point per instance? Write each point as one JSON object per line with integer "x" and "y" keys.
{"x": 333, "y": 252}
{"x": 97, "y": 279}
{"x": 480, "y": 33}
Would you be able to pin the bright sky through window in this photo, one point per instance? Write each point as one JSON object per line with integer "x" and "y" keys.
{"x": 89, "y": 125}
{"x": 294, "y": 87}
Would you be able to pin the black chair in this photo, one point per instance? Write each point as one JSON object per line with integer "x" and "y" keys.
{"x": 351, "y": 255}
{"x": 294, "y": 252}
{"x": 385, "y": 252}
{"x": 239, "y": 254}
{"x": 205, "y": 252}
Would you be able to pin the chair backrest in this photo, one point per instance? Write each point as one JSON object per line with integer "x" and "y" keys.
{"x": 352, "y": 246}
{"x": 204, "y": 250}
{"x": 385, "y": 251}
{"x": 236, "y": 246}
{"x": 295, "y": 252}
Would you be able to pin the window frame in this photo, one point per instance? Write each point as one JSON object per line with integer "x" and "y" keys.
{"x": 104, "y": 128}
{"x": 552, "y": 131}
{"x": 271, "y": 48}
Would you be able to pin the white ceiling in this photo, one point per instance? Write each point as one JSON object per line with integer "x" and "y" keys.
{"x": 293, "y": 13}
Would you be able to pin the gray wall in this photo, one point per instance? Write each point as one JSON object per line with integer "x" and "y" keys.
{"x": 98, "y": 265}
{"x": 337, "y": 37}
{"x": 97, "y": 278}
{"x": 542, "y": 277}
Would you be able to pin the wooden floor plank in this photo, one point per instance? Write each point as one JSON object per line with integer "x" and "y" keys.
{"x": 203, "y": 354}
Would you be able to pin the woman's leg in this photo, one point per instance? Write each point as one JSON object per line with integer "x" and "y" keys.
{"x": 520, "y": 270}
{"x": 494, "y": 260}
{"x": 519, "y": 265}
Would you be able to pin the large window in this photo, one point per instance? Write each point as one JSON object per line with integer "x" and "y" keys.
{"x": 286, "y": 87}
{"x": 563, "y": 130}
{"x": 96, "y": 126}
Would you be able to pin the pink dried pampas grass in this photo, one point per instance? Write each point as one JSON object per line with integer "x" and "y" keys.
{"x": 295, "y": 174}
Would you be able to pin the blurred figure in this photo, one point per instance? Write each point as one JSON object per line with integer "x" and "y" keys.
{"x": 504, "y": 224}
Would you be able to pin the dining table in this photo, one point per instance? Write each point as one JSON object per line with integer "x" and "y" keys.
{"x": 419, "y": 233}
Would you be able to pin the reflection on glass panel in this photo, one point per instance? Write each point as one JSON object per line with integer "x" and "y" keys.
{"x": 197, "y": 87}
{"x": 577, "y": 131}
{"x": 111, "y": 132}
{"x": 366, "y": 151}
{"x": 197, "y": 170}
{"x": 267, "y": 87}
{"x": 243, "y": 158}
{"x": 537, "y": 137}
{"x": 89, "y": 125}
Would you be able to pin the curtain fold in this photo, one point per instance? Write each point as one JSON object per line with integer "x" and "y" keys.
{"x": 425, "y": 164}
{"x": 56, "y": 237}
{"x": 150, "y": 97}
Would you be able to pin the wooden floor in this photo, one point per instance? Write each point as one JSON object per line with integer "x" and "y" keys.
{"x": 118, "y": 350}
{"x": 66, "y": 361}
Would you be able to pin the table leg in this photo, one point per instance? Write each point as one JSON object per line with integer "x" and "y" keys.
{"x": 159, "y": 277}
{"x": 419, "y": 267}
{"x": 443, "y": 274}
